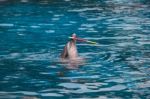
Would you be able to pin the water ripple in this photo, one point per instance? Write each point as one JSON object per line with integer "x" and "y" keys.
{"x": 33, "y": 34}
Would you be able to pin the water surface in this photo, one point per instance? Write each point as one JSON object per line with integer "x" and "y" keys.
{"x": 34, "y": 32}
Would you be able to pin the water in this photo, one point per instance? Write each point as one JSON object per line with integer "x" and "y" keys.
{"x": 32, "y": 36}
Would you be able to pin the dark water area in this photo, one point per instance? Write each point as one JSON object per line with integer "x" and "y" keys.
{"x": 34, "y": 32}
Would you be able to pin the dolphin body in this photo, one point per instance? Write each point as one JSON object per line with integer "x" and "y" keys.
{"x": 70, "y": 50}
{"x": 69, "y": 55}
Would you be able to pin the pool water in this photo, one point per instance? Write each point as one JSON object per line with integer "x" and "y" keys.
{"x": 34, "y": 32}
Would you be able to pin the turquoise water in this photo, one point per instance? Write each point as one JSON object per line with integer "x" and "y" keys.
{"x": 33, "y": 34}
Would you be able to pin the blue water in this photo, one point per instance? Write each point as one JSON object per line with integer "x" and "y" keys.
{"x": 34, "y": 32}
